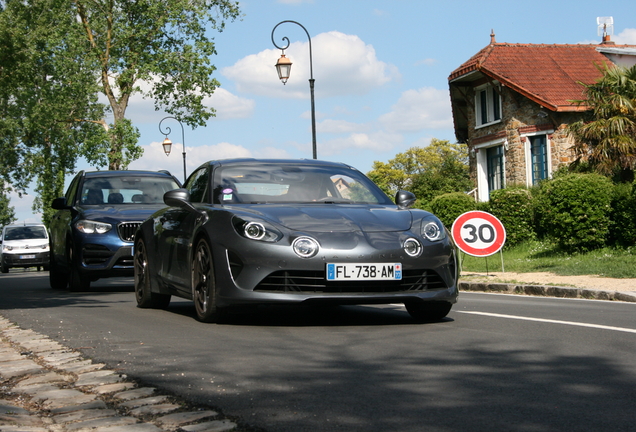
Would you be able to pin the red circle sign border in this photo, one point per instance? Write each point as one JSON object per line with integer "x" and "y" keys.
{"x": 490, "y": 250}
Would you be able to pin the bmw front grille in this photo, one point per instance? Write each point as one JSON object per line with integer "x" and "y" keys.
{"x": 127, "y": 230}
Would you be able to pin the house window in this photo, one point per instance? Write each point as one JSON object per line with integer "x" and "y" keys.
{"x": 487, "y": 105}
{"x": 495, "y": 166}
{"x": 539, "y": 154}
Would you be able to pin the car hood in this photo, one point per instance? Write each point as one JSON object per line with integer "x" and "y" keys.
{"x": 120, "y": 212}
{"x": 335, "y": 217}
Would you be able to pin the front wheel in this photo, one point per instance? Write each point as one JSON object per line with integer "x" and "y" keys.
{"x": 58, "y": 279}
{"x": 3, "y": 268}
{"x": 145, "y": 297}
{"x": 203, "y": 285}
{"x": 77, "y": 281}
{"x": 428, "y": 311}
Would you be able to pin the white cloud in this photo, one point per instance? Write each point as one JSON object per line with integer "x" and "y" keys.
{"x": 626, "y": 37}
{"x": 229, "y": 106}
{"x": 380, "y": 141}
{"x": 425, "y": 108}
{"x": 342, "y": 65}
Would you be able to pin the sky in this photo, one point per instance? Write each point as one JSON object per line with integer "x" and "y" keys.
{"x": 381, "y": 77}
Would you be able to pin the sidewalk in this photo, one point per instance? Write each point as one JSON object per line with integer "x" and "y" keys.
{"x": 45, "y": 387}
{"x": 548, "y": 291}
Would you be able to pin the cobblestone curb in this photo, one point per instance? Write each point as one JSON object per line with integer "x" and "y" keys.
{"x": 46, "y": 387}
{"x": 548, "y": 291}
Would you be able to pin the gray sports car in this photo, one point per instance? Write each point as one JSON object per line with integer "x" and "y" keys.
{"x": 249, "y": 232}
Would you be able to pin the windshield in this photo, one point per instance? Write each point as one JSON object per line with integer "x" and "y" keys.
{"x": 286, "y": 183}
{"x": 25, "y": 233}
{"x": 126, "y": 190}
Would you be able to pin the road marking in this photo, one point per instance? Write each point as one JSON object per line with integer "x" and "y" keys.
{"x": 572, "y": 323}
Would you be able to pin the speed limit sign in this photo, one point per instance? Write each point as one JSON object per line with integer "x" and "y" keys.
{"x": 478, "y": 233}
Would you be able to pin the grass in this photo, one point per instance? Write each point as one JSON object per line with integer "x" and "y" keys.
{"x": 539, "y": 256}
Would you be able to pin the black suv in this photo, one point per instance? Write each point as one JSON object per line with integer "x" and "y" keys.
{"x": 92, "y": 232}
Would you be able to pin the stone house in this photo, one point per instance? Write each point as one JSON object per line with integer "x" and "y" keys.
{"x": 511, "y": 104}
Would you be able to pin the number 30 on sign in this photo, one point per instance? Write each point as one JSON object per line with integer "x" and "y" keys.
{"x": 478, "y": 233}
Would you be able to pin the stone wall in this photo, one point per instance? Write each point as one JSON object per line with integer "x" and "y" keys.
{"x": 522, "y": 116}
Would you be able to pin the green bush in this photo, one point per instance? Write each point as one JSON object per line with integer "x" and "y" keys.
{"x": 449, "y": 206}
{"x": 514, "y": 208}
{"x": 574, "y": 209}
{"x": 623, "y": 217}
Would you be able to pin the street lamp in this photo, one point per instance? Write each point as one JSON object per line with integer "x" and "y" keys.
{"x": 167, "y": 144}
{"x": 283, "y": 67}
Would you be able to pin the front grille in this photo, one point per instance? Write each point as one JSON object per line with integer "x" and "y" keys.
{"x": 127, "y": 230}
{"x": 306, "y": 281}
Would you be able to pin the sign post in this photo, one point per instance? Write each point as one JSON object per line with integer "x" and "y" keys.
{"x": 479, "y": 234}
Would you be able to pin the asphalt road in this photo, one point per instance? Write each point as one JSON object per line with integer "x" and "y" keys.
{"x": 497, "y": 363}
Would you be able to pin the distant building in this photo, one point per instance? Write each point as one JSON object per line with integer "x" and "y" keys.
{"x": 511, "y": 104}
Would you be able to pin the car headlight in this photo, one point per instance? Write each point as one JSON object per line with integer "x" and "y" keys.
{"x": 92, "y": 227}
{"x": 256, "y": 230}
{"x": 305, "y": 247}
{"x": 412, "y": 247}
{"x": 433, "y": 230}
{"x": 7, "y": 247}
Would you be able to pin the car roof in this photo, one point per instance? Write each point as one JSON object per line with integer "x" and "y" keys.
{"x": 119, "y": 173}
{"x": 252, "y": 161}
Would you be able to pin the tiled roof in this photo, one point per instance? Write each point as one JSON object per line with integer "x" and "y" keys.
{"x": 547, "y": 74}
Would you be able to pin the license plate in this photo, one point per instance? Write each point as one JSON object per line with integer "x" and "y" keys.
{"x": 27, "y": 256}
{"x": 364, "y": 271}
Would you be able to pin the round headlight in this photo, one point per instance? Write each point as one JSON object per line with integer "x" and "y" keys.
{"x": 305, "y": 247}
{"x": 254, "y": 230}
{"x": 432, "y": 231}
{"x": 412, "y": 247}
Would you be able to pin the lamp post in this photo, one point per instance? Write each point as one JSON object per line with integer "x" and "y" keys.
{"x": 167, "y": 144}
{"x": 283, "y": 67}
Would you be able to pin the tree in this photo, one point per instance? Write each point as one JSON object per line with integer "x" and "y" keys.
{"x": 48, "y": 98}
{"x": 163, "y": 44}
{"x": 7, "y": 213}
{"x": 57, "y": 56}
{"x": 439, "y": 168}
{"x": 606, "y": 139}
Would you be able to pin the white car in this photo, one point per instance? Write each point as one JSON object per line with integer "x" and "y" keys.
{"x": 24, "y": 246}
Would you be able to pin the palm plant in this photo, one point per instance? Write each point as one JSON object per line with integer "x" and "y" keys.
{"x": 606, "y": 139}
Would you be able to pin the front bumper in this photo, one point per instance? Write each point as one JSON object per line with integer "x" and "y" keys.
{"x": 25, "y": 259}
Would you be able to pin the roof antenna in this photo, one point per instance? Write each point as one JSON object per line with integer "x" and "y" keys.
{"x": 605, "y": 27}
{"x": 492, "y": 37}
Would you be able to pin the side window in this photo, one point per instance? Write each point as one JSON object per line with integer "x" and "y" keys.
{"x": 71, "y": 192}
{"x": 198, "y": 185}
{"x": 487, "y": 105}
{"x": 495, "y": 157}
{"x": 539, "y": 152}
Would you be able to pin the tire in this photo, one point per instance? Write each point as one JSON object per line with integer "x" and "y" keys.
{"x": 58, "y": 279}
{"x": 145, "y": 297}
{"x": 204, "y": 286}
{"x": 77, "y": 281}
{"x": 428, "y": 311}
{"x": 4, "y": 268}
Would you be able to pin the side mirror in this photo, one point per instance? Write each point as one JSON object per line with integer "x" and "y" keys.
{"x": 177, "y": 198}
{"x": 59, "y": 204}
{"x": 181, "y": 198}
{"x": 404, "y": 199}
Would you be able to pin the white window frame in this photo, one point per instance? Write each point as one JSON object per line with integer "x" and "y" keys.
{"x": 483, "y": 194}
{"x": 528, "y": 154}
{"x": 490, "y": 108}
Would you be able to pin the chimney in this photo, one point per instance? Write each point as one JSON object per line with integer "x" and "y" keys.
{"x": 607, "y": 41}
